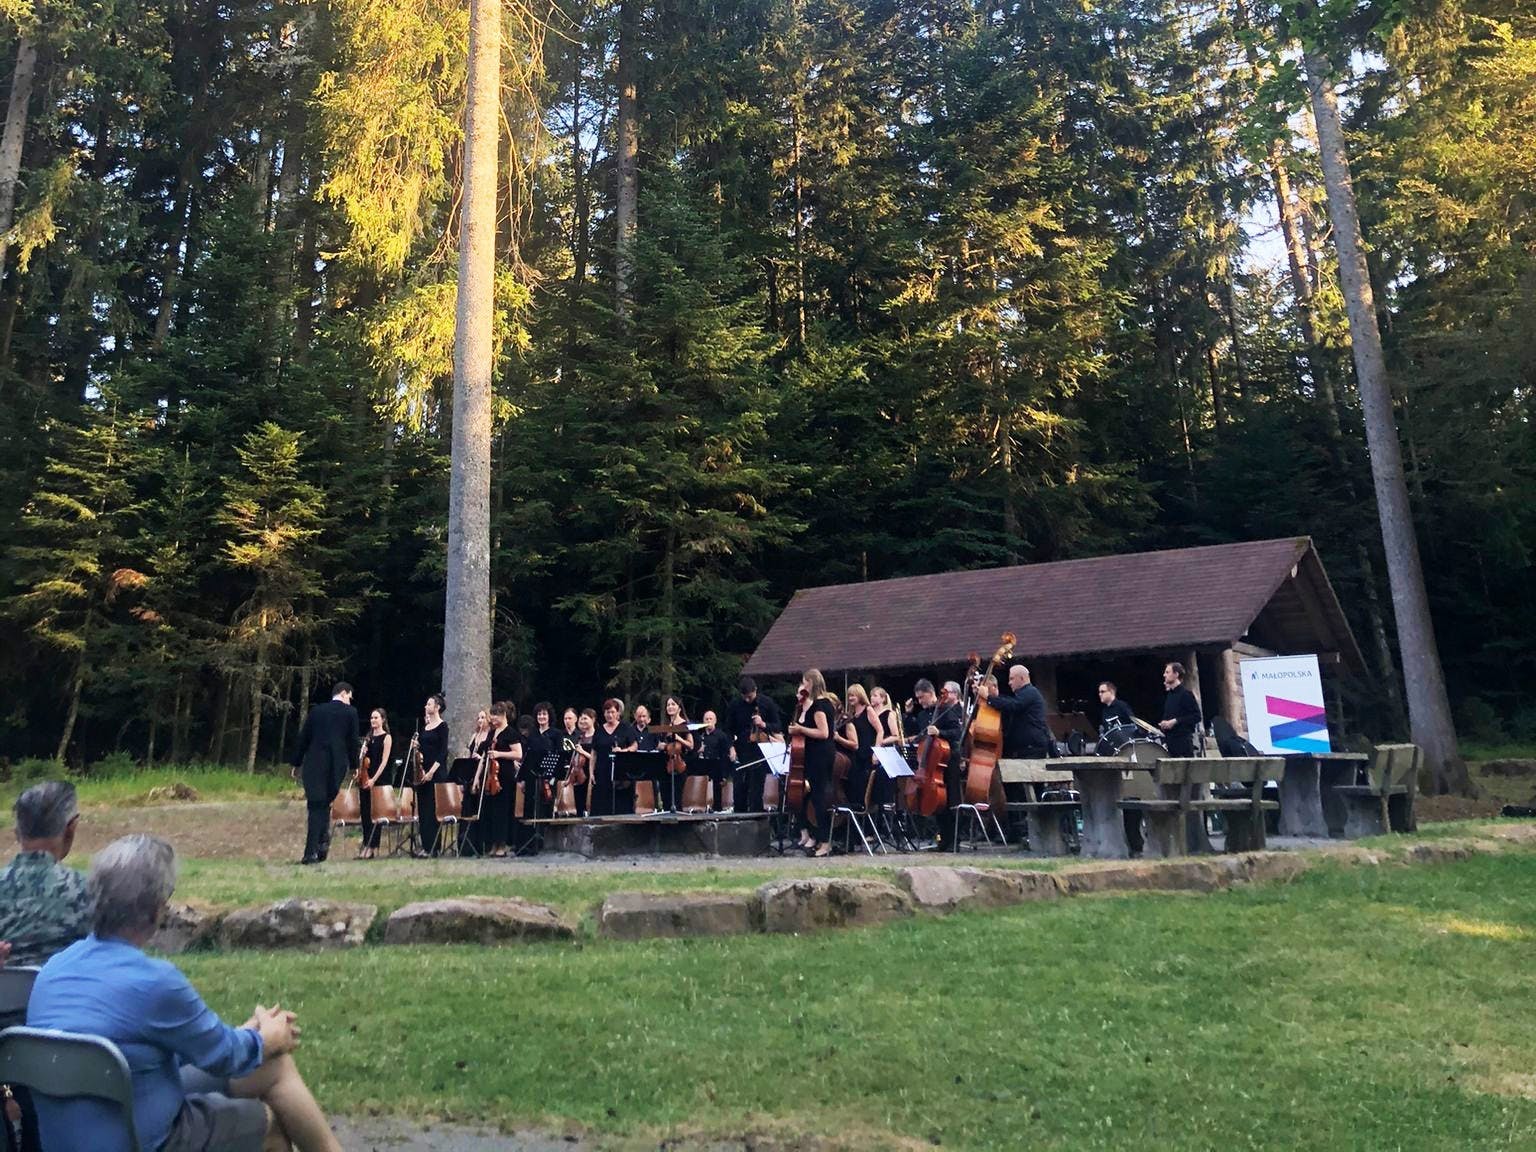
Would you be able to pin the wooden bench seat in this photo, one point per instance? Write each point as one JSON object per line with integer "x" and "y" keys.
{"x": 1181, "y": 784}
{"x": 1386, "y": 804}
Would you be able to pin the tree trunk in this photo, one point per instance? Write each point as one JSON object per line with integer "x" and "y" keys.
{"x": 669, "y": 615}
{"x": 258, "y": 674}
{"x": 799, "y": 232}
{"x": 627, "y": 162}
{"x": 467, "y": 623}
{"x": 76, "y": 690}
{"x": 14, "y": 136}
{"x": 1429, "y": 708}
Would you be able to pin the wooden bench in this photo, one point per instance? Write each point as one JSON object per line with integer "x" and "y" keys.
{"x": 1386, "y": 803}
{"x": 1181, "y": 785}
{"x": 1028, "y": 780}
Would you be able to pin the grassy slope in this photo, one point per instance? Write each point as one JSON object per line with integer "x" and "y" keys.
{"x": 1379, "y": 1008}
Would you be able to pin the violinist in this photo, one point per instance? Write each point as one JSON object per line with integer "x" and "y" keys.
{"x": 815, "y": 719}
{"x": 433, "y": 743}
{"x": 752, "y": 719}
{"x": 506, "y": 752}
{"x": 531, "y": 782}
{"x": 611, "y": 797}
{"x": 467, "y": 775}
{"x": 583, "y": 761}
{"x": 674, "y": 715}
{"x": 856, "y": 737}
{"x": 888, "y": 734}
{"x": 376, "y": 746}
{"x": 715, "y": 754}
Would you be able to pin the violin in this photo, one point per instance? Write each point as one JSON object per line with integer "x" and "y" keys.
{"x": 413, "y": 759}
{"x": 363, "y": 766}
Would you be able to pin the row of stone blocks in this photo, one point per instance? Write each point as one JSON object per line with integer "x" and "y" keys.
{"x": 781, "y": 906}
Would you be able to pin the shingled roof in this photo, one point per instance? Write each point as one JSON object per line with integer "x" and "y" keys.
{"x": 1168, "y": 601}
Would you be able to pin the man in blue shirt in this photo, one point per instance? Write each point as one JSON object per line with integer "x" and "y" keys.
{"x": 198, "y": 1084}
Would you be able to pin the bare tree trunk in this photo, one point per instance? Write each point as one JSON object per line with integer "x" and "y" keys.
{"x": 669, "y": 614}
{"x": 1429, "y": 708}
{"x": 76, "y": 690}
{"x": 258, "y": 674}
{"x": 799, "y": 232}
{"x": 627, "y": 161}
{"x": 467, "y": 624}
{"x": 14, "y": 136}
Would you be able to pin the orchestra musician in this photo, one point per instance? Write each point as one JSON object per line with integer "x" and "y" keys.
{"x": 674, "y": 715}
{"x": 888, "y": 734}
{"x": 467, "y": 776}
{"x": 496, "y": 811}
{"x": 531, "y": 780}
{"x": 376, "y": 746}
{"x": 752, "y": 719}
{"x": 715, "y": 753}
{"x": 1181, "y": 712}
{"x": 433, "y": 743}
{"x": 939, "y": 715}
{"x": 645, "y": 741}
{"x": 815, "y": 719}
{"x": 610, "y": 797}
{"x": 857, "y": 737}
{"x": 1025, "y": 735}
{"x": 586, "y": 725}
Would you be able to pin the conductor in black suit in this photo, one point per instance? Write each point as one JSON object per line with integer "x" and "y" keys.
{"x": 327, "y": 754}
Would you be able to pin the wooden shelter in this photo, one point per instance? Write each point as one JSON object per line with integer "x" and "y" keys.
{"x": 1077, "y": 622}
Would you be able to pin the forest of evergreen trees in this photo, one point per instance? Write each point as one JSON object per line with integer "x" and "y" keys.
{"x": 909, "y": 285}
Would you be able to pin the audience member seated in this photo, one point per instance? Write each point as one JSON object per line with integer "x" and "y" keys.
{"x": 198, "y": 1084}
{"x": 43, "y": 904}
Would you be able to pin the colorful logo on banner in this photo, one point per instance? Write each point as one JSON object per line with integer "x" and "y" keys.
{"x": 1283, "y": 702}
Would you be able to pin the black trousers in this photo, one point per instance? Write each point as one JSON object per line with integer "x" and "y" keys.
{"x": 370, "y": 829}
{"x": 954, "y": 795}
{"x": 749, "y": 787}
{"x": 426, "y": 817}
{"x": 817, "y": 812}
{"x": 317, "y": 833}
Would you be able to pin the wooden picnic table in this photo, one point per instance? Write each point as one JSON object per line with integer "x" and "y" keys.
{"x": 1308, "y": 803}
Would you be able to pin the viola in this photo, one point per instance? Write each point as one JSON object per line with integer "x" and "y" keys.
{"x": 984, "y": 737}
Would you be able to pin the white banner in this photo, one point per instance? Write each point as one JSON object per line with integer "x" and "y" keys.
{"x": 1283, "y": 700}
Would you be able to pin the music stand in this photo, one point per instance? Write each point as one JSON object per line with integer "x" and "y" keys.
{"x": 637, "y": 766}
{"x": 462, "y": 772}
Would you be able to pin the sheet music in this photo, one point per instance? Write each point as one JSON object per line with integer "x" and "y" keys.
{"x": 892, "y": 761}
{"x": 777, "y": 757}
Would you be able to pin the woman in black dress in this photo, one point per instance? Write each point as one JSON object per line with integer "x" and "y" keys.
{"x": 612, "y": 735}
{"x": 376, "y": 746}
{"x": 814, "y": 719}
{"x": 433, "y": 743}
{"x": 466, "y": 775}
{"x": 583, "y": 760}
{"x": 888, "y": 734}
{"x": 506, "y": 755}
{"x": 857, "y": 739}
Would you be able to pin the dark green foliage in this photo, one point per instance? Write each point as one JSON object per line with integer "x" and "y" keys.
{"x": 917, "y": 286}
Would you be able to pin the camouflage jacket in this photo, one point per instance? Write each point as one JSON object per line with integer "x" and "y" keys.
{"x": 43, "y": 907}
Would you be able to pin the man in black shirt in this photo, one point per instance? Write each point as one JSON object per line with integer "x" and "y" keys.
{"x": 1117, "y": 723}
{"x": 1181, "y": 712}
{"x": 1025, "y": 735}
{"x": 329, "y": 744}
{"x": 714, "y": 753}
{"x": 752, "y": 718}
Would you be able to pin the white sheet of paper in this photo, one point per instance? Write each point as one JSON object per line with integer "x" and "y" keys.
{"x": 777, "y": 756}
{"x": 892, "y": 761}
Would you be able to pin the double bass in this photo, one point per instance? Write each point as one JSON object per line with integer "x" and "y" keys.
{"x": 794, "y": 788}
{"x": 984, "y": 738}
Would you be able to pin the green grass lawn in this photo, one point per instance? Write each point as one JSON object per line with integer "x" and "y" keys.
{"x": 1371, "y": 1008}
{"x": 130, "y": 785}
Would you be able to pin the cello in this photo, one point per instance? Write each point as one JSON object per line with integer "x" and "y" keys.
{"x": 985, "y": 738}
{"x": 929, "y": 797}
{"x": 794, "y": 788}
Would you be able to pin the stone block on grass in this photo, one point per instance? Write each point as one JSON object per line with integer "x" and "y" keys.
{"x": 184, "y": 927}
{"x": 824, "y": 902}
{"x": 944, "y": 889}
{"x": 645, "y": 915}
{"x": 475, "y": 920}
{"x": 297, "y": 923}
